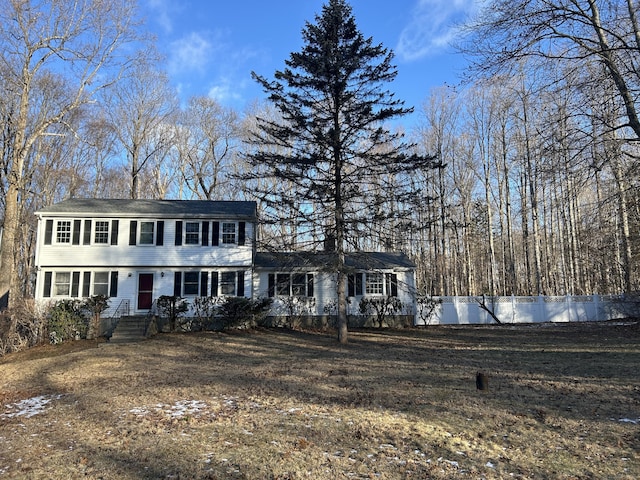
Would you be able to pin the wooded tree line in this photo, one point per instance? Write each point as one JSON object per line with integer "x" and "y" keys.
{"x": 537, "y": 192}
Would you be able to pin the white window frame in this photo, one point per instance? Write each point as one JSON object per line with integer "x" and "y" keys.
{"x": 64, "y": 233}
{"x": 55, "y": 284}
{"x": 193, "y": 235}
{"x": 106, "y": 283}
{"x": 291, "y": 289}
{"x": 228, "y": 283}
{"x": 153, "y": 234}
{"x": 196, "y": 283}
{"x": 374, "y": 284}
{"x": 227, "y": 236}
{"x": 103, "y": 223}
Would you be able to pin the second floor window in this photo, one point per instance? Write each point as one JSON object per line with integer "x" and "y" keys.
{"x": 192, "y": 233}
{"x": 63, "y": 232}
{"x": 101, "y": 232}
{"x": 228, "y": 233}
{"x": 146, "y": 233}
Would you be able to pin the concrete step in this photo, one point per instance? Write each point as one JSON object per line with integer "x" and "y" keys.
{"x": 129, "y": 329}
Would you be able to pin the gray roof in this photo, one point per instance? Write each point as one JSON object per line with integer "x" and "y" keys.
{"x": 325, "y": 260}
{"x": 155, "y": 208}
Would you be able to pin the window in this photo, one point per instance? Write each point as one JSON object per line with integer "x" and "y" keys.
{"x": 101, "y": 283}
{"x": 146, "y": 233}
{"x": 62, "y": 284}
{"x": 63, "y": 231}
{"x": 283, "y": 282}
{"x": 191, "y": 283}
{"x": 228, "y": 283}
{"x": 291, "y": 285}
{"x": 192, "y": 233}
{"x": 375, "y": 284}
{"x": 228, "y": 233}
{"x": 101, "y": 232}
{"x": 299, "y": 285}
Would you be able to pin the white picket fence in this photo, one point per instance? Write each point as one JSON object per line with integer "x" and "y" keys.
{"x": 570, "y": 308}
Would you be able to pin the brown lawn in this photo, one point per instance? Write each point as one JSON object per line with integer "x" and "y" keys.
{"x": 563, "y": 403}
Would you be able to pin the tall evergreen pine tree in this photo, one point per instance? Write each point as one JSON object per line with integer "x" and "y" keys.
{"x": 330, "y": 145}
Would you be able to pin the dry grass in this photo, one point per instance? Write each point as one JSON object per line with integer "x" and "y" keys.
{"x": 564, "y": 402}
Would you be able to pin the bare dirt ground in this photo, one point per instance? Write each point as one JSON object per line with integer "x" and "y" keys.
{"x": 563, "y": 403}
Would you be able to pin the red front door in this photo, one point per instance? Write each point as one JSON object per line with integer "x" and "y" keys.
{"x": 145, "y": 291}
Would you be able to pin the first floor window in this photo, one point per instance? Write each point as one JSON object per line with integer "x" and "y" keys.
{"x": 291, "y": 284}
{"x": 299, "y": 285}
{"x": 191, "y": 283}
{"x": 79, "y": 284}
{"x": 101, "y": 232}
{"x": 375, "y": 284}
{"x": 101, "y": 283}
{"x": 283, "y": 284}
{"x": 372, "y": 283}
{"x": 62, "y": 284}
{"x": 228, "y": 283}
{"x": 63, "y": 231}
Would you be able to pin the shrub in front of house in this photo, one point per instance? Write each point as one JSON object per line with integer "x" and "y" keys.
{"x": 241, "y": 312}
{"x": 173, "y": 308}
{"x": 66, "y": 321}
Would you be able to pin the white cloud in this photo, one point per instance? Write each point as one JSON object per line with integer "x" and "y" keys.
{"x": 162, "y": 11}
{"x": 433, "y": 27}
{"x": 190, "y": 53}
{"x": 225, "y": 91}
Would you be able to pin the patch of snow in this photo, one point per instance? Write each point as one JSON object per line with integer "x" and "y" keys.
{"x": 29, "y": 407}
{"x": 629, "y": 420}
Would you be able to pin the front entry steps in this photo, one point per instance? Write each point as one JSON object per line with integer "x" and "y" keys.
{"x": 129, "y": 329}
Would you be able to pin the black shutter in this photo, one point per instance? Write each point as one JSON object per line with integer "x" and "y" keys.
{"x": 75, "y": 284}
{"x": 272, "y": 285}
{"x": 87, "y": 233}
{"x": 86, "y": 284}
{"x": 178, "y": 232}
{"x": 204, "y": 277}
{"x": 359, "y": 284}
{"x": 115, "y": 224}
{"x": 48, "y": 232}
{"x": 47, "y": 282}
{"x": 76, "y": 232}
{"x": 133, "y": 232}
{"x": 215, "y": 234}
{"x": 113, "y": 287}
{"x": 177, "y": 284}
{"x": 240, "y": 286}
{"x": 309, "y": 284}
{"x": 214, "y": 284}
{"x": 205, "y": 234}
{"x": 241, "y": 232}
{"x": 160, "y": 233}
{"x": 392, "y": 285}
{"x": 351, "y": 285}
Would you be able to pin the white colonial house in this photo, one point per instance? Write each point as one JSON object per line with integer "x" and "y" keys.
{"x": 134, "y": 251}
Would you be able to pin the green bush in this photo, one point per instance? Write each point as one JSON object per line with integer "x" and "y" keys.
{"x": 67, "y": 321}
{"x": 237, "y": 312}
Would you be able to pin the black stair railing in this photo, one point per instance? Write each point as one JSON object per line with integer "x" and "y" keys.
{"x": 123, "y": 309}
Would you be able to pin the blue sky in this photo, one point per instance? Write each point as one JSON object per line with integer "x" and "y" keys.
{"x": 212, "y": 46}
